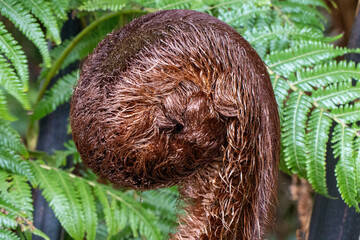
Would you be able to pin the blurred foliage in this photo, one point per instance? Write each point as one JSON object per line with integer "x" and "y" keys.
{"x": 314, "y": 91}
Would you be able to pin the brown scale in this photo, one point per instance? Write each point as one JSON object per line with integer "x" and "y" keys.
{"x": 180, "y": 98}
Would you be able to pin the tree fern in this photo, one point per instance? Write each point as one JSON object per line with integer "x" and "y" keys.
{"x": 27, "y": 24}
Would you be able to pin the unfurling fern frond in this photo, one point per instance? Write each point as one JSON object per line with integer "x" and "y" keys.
{"x": 293, "y": 132}
{"x": 93, "y": 5}
{"x": 345, "y": 168}
{"x": 57, "y": 95}
{"x": 42, "y": 10}
{"x": 11, "y": 49}
{"x": 316, "y": 141}
{"x": 324, "y": 74}
{"x": 27, "y": 24}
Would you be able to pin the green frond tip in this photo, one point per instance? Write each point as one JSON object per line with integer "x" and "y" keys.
{"x": 60, "y": 8}
{"x": 10, "y": 139}
{"x": 348, "y": 113}
{"x": 336, "y": 94}
{"x": 322, "y": 75}
{"x": 4, "y": 110}
{"x": 42, "y": 10}
{"x": 15, "y": 190}
{"x": 112, "y": 5}
{"x": 293, "y": 132}
{"x": 88, "y": 208}
{"x": 343, "y": 138}
{"x": 316, "y": 143}
{"x": 8, "y": 235}
{"x": 281, "y": 88}
{"x": 13, "y": 51}
{"x": 11, "y": 83}
{"x": 357, "y": 167}
{"x": 57, "y": 189}
{"x": 27, "y": 24}
{"x": 108, "y": 211}
{"x": 57, "y": 95}
{"x": 306, "y": 53}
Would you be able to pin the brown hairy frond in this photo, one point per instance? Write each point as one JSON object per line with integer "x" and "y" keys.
{"x": 179, "y": 97}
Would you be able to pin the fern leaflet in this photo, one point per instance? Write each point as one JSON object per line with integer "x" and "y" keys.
{"x": 325, "y": 74}
{"x": 88, "y": 208}
{"x": 113, "y": 5}
{"x": 316, "y": 140}
{"x": 345, "y": 168}
{"x": 56, "y": 96}
{"x": 293, "y": 132}
{"x": 42, "y": 10}
{"x": 8, "y": 235}
{"x": 27, "y": 24}
{"x": 12, "y": 50}
{"x": 4, "y": 110}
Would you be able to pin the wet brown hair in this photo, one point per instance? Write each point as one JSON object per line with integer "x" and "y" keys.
{"x": 180, "y": 98}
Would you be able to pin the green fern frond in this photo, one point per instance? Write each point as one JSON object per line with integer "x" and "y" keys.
{"x": 317, "y": 3}
{"x": 307, "y": 53}
{"x": 56, "y": 96}
{"x": 4, "y": 110}
{"x": 27, "y": 25}
{"x": 357, "y": 167}
{"x": 316, "y": 140}
{"x": 12, "y": 84}
{"x": 94, "y": 5}
{"x": 336, "y": 94}
{"x": 325, "y": 74}
{"x": 242, "y": 17}
{"x": 8, "y": 235}
{"x": 12, "y": 162}
{"x": 293, "y": 132}
{"x": 301, "y": 15}
{"x": 42, "y": 10}
{"x": 88, "y": 208}
{"x": 108, "y": 211}
{"x": 60, "y": 8}
{"x": 13, "y": 51}
{"x": 345, "y": 168}
{"x": 15, "y": 189}
{"x": 139, "y": 220}
{"x": 77, "y": 229}
{"x": 348, "y": 113}
{"x": 66, "y": 210}
{"x": 281, "y": 89}
{"x": 10, "y": 138}
{"x": 6, "y": 221}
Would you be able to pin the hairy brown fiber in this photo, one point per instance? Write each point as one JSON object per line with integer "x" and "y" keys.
{"x": 179, "y": 97}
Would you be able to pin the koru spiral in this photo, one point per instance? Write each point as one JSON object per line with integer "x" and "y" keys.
{"x": 178, "y": 97}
